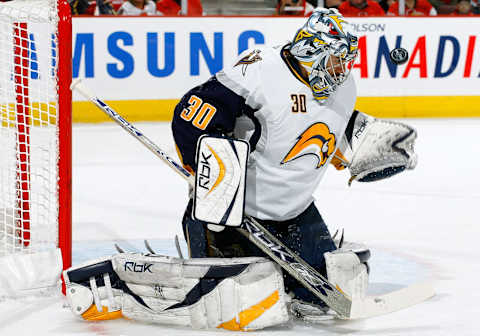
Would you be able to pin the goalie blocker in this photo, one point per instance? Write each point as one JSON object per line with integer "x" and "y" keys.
{"x": 219, "y": 193}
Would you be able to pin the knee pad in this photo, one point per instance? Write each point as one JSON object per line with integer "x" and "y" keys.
{"x": 346, "y": 271}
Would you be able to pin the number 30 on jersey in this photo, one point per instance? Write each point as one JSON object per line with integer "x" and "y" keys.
{"x": 200, "y": 112}
{"x": 299, "y": 103}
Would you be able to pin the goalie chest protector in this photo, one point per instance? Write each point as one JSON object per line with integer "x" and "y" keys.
{"x": 298, "y": 134}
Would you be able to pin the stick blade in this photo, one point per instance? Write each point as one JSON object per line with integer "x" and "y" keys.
{"x": 383, "y": 304}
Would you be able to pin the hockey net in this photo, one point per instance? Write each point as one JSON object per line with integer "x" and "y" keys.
{"x": 35, "y": 143}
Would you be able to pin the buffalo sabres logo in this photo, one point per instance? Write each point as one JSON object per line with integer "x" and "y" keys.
{"x": 251, "y": 58}
{"x": 315, "y": 140}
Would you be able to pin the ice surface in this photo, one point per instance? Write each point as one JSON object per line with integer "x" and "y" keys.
{"x": 420, "y": 225}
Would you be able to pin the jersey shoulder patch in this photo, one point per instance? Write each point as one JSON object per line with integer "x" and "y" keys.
{"x": 252, "y": 57}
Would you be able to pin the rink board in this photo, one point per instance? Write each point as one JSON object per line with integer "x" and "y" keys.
{"x": 144, "y": 65}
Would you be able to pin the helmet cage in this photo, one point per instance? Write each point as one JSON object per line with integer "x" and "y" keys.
{"x": 327, "y": 50}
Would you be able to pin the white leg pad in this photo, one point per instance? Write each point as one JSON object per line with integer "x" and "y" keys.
{"x": 347, "y": 273}
{"x": 235, "y": 294}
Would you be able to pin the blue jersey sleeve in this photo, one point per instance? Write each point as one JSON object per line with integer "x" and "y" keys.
{"x": 210, "y": 108}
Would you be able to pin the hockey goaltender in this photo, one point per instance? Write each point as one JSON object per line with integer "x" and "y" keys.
{"x": 258, "y": 136}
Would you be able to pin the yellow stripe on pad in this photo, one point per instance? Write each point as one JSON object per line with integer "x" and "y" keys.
{"x": 92, "y": 314}
{"x": 250, "y": 314}
{"x": 221, "y": 167}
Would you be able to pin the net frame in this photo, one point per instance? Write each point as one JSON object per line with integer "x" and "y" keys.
{"x": 24, "y": 14}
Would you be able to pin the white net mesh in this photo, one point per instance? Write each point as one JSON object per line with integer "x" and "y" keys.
{"x": 28, "y": 126}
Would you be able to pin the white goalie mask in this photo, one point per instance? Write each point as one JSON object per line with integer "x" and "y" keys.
{"x": 326, "y": 47}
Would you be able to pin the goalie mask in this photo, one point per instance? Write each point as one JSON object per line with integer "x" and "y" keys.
{"x": 326, "y": 48}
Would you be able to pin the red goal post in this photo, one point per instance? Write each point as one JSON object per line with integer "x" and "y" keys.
{"x": 35, "y": 142}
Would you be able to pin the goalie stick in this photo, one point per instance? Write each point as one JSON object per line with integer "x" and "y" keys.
{"x": 275, "y": 249}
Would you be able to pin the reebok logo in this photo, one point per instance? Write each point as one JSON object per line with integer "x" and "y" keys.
{"x": 204, "y": 171}
{"x": 360, "y": 130}
{"x": 132, "y": 266}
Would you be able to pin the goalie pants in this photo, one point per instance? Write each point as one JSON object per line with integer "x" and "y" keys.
{"x": 307, "y": 235}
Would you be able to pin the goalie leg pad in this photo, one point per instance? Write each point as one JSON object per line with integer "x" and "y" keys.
{"x": 347, "y": 273}
{"x": 203, "y": 293}
{"x": 94, "y": 291}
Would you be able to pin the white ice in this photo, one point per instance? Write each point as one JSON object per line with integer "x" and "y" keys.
{"x": 420, "y": 225}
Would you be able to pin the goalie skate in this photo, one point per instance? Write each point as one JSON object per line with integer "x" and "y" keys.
{"x": 309, "y": 312}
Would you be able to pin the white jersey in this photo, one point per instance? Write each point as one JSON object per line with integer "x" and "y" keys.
{"x": 298, "y": 135}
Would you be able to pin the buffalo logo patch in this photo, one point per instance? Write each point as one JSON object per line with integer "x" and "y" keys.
{"x": 316, "y": 140}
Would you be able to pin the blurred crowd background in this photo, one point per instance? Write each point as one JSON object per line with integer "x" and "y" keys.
{"x": 274, "y": 7}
